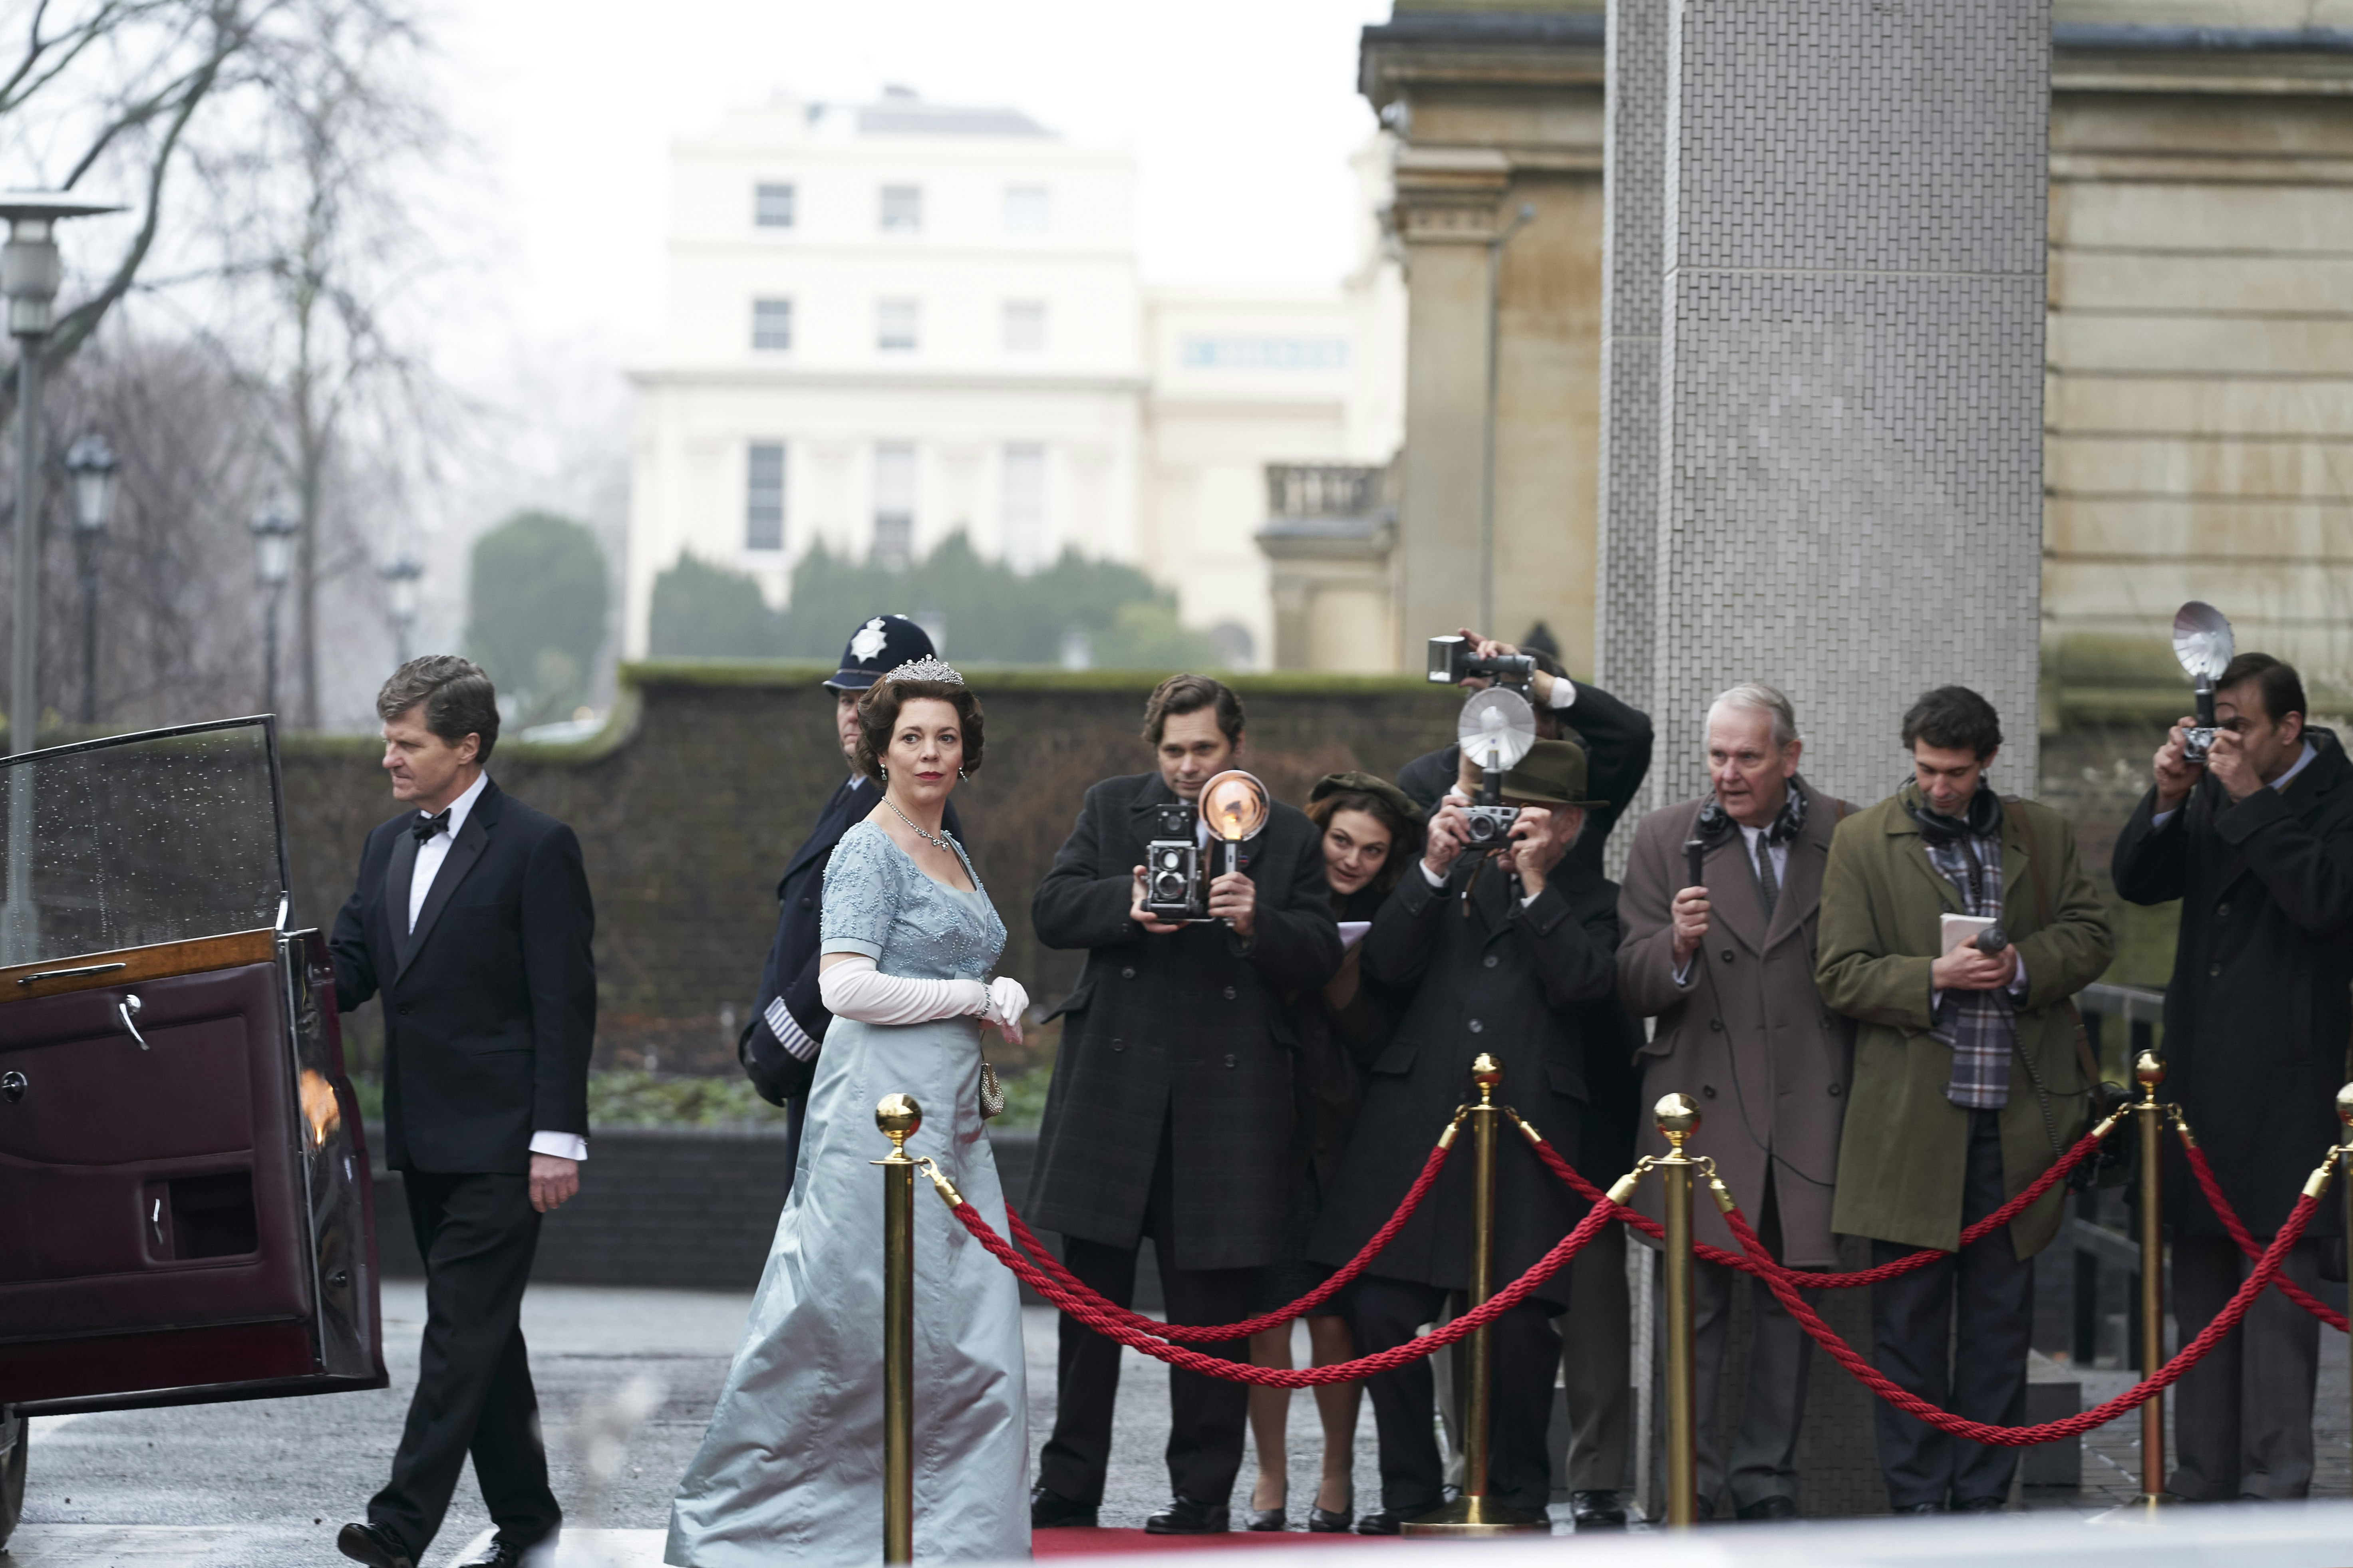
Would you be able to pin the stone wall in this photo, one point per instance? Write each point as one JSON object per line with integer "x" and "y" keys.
{"x": 711, "y": 774}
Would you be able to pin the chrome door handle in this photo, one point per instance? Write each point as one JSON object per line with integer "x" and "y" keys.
{"x": 127, "y": 1009}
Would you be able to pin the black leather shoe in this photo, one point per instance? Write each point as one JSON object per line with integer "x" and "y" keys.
{"x": 1597, "y": 1510}
{"x": 1766, "y": 1508}
{"x": 1183, "y": 1516}
{"x": 1911, "y": 1508}
{"x": 373, "y": 1545}
{"x": 1263, "y": 1519}
{"x": 1387, "y": 1521}
{"x": 505, "y": 1552}
{"x": 1982, "y": 1505}
{"x": 1051, "y": 1510}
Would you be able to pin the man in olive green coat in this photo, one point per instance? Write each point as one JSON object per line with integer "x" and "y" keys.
{"x": 1967, "y": 1083}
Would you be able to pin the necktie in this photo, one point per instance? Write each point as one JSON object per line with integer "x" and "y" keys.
{"x": 1768, "y": 885}
{"x": 425, "y": 827}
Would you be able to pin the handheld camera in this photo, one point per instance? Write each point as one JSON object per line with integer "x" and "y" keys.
{"x": 2201, "y": 641}
{"x": 1177, "y": 873}
{"x": 1452, "y": 663}
{"x": 1496, "y": 728}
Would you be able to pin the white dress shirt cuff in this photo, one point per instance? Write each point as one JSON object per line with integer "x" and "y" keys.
{"x": 563, "y": 1146}
{"x": 1682, "y": 974}
{"x": 788, "y": 1032}
{"x": 1428, "y": 875}
{"x": 1564, "y": 691}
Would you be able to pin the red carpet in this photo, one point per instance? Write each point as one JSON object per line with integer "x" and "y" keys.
{"x": 1070, "y": 1541}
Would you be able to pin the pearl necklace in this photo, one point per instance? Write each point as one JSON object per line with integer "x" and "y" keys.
{"x": 931, "y": 838}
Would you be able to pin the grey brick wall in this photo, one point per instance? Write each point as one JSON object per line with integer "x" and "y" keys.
{"x": 1851, "y": 372}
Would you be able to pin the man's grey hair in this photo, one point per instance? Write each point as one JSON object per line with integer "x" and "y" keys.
{"x": 459, "y": 698}
{"x": 1756, "y": 697}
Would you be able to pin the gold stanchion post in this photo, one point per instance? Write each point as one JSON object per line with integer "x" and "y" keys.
{"x": 2148, "y": 1071}
{"x": 2344, "y": 1115}
{"x": 1475, "y": 1513}
{"x": 899, "y": 1117}
{"x": 1678, "y": 1118}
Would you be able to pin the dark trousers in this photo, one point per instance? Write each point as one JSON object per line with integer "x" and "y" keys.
{"x": 1596, "y": 1348}
{"x": 476, "y": 1234}
{"x": 1764, "y": 1461}
{"x": 1206, "y": 1414}
{"x": 2243, "y": 1423}
{"x": 1526, "y": 1354}
{"x": 1954, "y": 1333}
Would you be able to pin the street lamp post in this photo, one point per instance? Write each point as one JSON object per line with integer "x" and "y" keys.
{"x": 30, "y": 270}
{"x": 91, "y": 463}
{"x": 400, "y": 574}
{"x": 273, "y": 562}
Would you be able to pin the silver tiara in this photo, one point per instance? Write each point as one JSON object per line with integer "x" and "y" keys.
{"x": 926, "y": 669}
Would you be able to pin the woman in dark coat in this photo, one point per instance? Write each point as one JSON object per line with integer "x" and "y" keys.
{"x": 1371, "y": 832}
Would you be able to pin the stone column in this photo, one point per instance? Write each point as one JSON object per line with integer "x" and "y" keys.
{"x": 1849, "y": 496}
{"x": 1634, "y": 139}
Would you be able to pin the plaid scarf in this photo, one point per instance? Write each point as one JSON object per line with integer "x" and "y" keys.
{"x": 1980, "y": 1026}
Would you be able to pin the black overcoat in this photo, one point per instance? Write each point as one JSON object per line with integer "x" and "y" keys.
{"x": 1188, "y": 1027}
{"x": 489, "y": 1005}
{"x": 2257, "y": 1018}
{"x": 1532, "y": 984}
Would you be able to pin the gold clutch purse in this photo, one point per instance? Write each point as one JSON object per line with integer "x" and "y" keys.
{"x": 992, "y": 1093}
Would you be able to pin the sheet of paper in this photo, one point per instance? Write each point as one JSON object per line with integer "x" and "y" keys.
{"x": 1352, "y": 933}
{"x": 1958, "y": 930}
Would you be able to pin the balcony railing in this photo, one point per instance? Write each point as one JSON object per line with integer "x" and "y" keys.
{"x": 1326, "y": 489}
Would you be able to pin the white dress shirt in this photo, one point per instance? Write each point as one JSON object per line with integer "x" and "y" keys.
{"x": 429, "y": 856}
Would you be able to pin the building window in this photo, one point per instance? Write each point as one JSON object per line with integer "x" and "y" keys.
{"x": 902, "y": 209}
{"x": 1024, "y": 505}
{"x": 897, "y": 326}
{"x": 894, "y": 504}
{"x": 1025, "y": 327}
{"x": 1027, "y": 209}
{"x": 772, "y": 325}
{"x": 771, "y": 206}
{"x": 763, "y": 496}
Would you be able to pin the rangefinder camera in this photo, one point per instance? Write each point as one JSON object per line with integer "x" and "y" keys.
{"x": 1174, "y": 888}
{"x": 1489, "y": 824}
{"x": 2197, "y": 741}
{"x": 1452, "y": 663}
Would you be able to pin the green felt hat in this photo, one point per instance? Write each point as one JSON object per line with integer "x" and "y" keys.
{"x": 1551, "y": 774}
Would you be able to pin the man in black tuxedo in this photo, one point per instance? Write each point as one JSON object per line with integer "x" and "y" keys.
{"x": 1170, "y": 1110}
{"x": 472, "y": 917}
{"x": 779, "y": 1048}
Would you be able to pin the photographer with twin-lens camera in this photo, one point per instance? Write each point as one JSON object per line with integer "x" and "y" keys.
{"x": 1171, "y": 1106}
{"x": 1509, "y": 950}
{"x": 2256, "y": 841}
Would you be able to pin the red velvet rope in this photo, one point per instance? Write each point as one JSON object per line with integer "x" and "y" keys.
{"x": 2265, "y": 1271}
{"x": 1111, "y": 1323}
{"x": 1204, "y": 1333}
{"x": 2246, "y": 1244}
{"x": 1809, "y": 1281}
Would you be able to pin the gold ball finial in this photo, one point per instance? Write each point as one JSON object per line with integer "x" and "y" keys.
{"x": 899, "y": 1117}
{"x": 2148, "y": 1069}
{"x": 2345, "y": 1105}
{"x": 1677, "y": 1116}
{"x": 1487, "y": 1071}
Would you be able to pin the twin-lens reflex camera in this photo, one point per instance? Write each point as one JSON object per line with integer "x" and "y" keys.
{"x": 1180, "y": 861}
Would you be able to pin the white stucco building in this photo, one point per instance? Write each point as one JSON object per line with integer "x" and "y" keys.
{"x": 889, "y": 323}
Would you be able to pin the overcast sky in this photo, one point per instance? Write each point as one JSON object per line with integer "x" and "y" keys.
{"x": 1242, "y": 115}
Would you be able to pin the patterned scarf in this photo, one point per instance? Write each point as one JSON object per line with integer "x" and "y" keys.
{"x": 1980, "y": 1026}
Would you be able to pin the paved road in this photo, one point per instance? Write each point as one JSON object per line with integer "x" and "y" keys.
{"x": 267, "y": 1483}
{"x": 242, "y": 1486}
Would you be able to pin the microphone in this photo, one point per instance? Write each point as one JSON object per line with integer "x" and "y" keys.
{"x": 1694, "y": 855}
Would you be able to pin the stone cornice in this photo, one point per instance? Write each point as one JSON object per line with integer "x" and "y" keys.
{"x": 1486, "y": 49}
{"x": 2266, "y": 62}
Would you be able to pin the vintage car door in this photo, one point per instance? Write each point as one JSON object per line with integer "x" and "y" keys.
{"x": 185, "y": 1210}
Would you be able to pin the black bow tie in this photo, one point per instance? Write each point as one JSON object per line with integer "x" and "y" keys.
{"x": 425, "y": 827}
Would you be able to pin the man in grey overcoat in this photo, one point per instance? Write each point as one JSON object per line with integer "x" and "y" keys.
{"x": 1170, "y": 1110}
{"x": 1727, "y": 966}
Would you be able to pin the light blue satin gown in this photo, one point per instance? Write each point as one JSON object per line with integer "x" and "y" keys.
{"x": 791, "y": 1470}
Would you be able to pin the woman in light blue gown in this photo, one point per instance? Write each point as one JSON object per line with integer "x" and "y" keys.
{"x": 791, "y": 1469}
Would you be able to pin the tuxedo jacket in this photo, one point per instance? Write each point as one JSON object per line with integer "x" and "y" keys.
{"x": 489, "y": 1005}
{"x": 791, "y": 970}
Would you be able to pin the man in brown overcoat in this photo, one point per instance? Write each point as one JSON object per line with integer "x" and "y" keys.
{"x": 1727, "y": 966}
{"x": 1966, "y": 1081}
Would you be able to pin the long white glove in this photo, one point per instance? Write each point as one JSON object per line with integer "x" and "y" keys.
{"x": 1006, "y": 1003}
{"x": 854, "y": 988}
